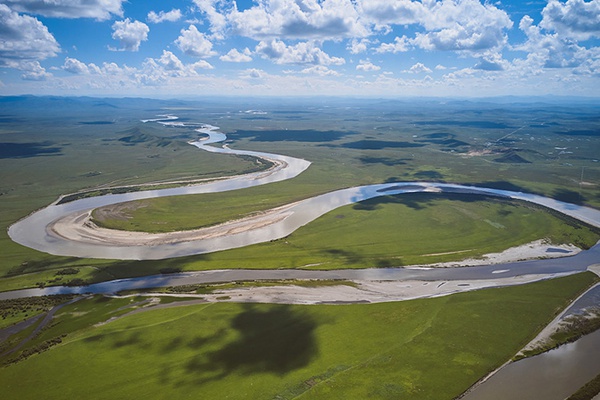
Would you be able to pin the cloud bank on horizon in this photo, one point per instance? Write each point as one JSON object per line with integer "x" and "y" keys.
{"x": 300, "y": 47}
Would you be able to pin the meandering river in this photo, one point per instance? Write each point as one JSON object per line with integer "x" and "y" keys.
{"x": 36, "y": 230}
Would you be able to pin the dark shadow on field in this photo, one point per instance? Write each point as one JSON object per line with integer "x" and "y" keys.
{"x": 134, "y": 268}
{"x": 581, "y": 132}
{"x": 429, "y": 175}
{"x": 30, "y": 266}
{"x": 118, "y": 269}
{"x": 277, "y": 339}
{"x": 347, "y": 256}
{"x": 511, "y": 157}
{"x": 27, "y": 150}
{"x": 503, "y": 185}
{"x": 444, "y": 139}
{"x": 472, "y": 124}
{"x": 417, "y": 201}
{"x": 569, "y": 196}
{"x": 390, "y": 162}
{"x": 308, "y": 135}
{"x": 378, "y": 145}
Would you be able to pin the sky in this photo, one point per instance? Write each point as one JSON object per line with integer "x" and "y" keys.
{"x": 381, "y": 48}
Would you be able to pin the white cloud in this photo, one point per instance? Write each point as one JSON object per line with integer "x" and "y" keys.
{"x": 98, "y": 9}
{"x": 367, "y": 66}
{"x": 319, "y": 70}
{"x": 235, "y": 56}
{"x": 24, "y": 40}
{"x": 358, "y": 46}
{"x": 252, "y": 73}
{"x": 159, "y": 70}
{"x": 440, "y": 67}
{"x": 75, "y": 66}
{"x": 300, "y": 53}
{"x": 551, "y": 50}
{"x": 464, "y": 25}
{"x": 576, "y": 19}
{"x": 401, "y": 12}
{"x": 400, "y": 44}
{"x": 33, "y": 71}
{"x": 194, "y": 43}
{"x": 202, "y": 64}
{"x": 454, "y": 25}
{"x": 216, "y": 18}
{"x": 418, "y": 68}
{"x": 170, "y": 62}
{"x": 130, "y": 34}
{"x": 171, "y": 16}
{"x": 288, "y": 19}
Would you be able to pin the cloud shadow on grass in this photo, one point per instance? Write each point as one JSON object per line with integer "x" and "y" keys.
{"x": 277, "y": 339}
{"x": 27, "y": 150}
{"x": 390, "y": 162}
{"x": 306, "y": 135}
{"x": 379, "y": 145}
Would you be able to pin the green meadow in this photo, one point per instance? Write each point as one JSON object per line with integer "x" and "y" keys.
{"x": 57, "y": 146}
{"x": 419, "y": 349}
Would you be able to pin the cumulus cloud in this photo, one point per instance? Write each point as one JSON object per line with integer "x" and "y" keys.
{"x": 171, "y": 16}
{"x": 160, "y": 70}
{"x": 202, "y": 64}
{"x": 33, "y": 71}
{"x": 252, "y": 73}
{"x": 130, "y": 34}
{"x": 24, "y": 40}
{"x": 300, "y": 53}
{"x": 401, "y": 12}
{"x": 98, "y": 9}
{"x": 194, "y": 43}
{"x": 551, "y": 50}
{"x": 319, "y": 70}
{"x": 418, "y": 68}
{"x": 367, "y": 66}
{"x": 75, "y": 66}
{"x": 488, "y": 65}
{"x": 451, "y": 25}
{"x": 358, "y": 46}
{"x": 216, "y": 18}
{"x": 576, "y": 19}
{"x": 290, "y": 19}
{"x": 238, "y": 57}
{"x": 400, "y": 44}
{"x": 464, "y": 25}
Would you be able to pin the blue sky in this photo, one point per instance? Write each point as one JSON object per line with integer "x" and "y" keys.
{"x": 299, "y": 47}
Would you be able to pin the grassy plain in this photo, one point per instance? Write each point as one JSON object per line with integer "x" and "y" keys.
{"x": 54, "y": 146}
{"x": 421, "y": 349}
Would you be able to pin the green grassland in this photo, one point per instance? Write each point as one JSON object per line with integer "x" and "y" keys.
{"x": 420, "y": 349}
{"x": 405, "y": 230}
{"x": 56, "y": 146}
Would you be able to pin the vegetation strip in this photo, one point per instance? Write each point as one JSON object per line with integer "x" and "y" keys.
{"x": 420, "y": 349}
{"x": 588, "y": 391}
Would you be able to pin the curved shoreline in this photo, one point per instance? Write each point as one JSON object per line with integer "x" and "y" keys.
{"x": 65, "y": 229}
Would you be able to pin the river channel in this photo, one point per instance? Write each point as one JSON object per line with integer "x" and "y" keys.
{"x": 35, "y": 231}
{"x": 553, "y": 375}
{"x": 546, "y": 376}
